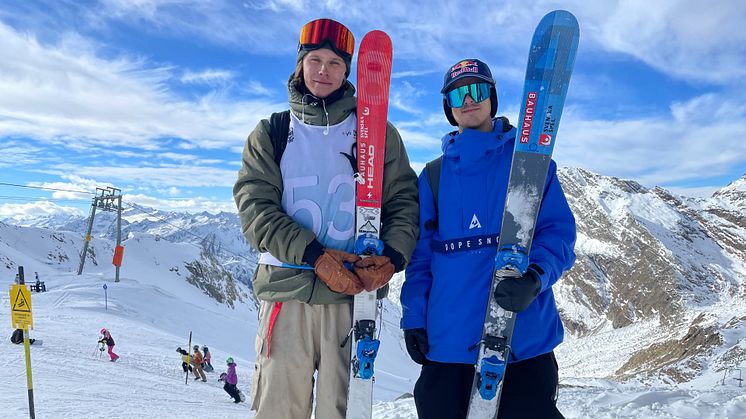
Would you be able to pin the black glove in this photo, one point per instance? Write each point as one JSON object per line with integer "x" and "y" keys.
{"x": 417, "y": 346}
{"x": 516, "y": 294}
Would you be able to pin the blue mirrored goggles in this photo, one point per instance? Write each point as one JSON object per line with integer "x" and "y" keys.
{"x": 478, "y": 92}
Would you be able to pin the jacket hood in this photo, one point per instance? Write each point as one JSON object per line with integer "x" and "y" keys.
{"x": 315, "y": 111}
{"x": 472, "y": 144}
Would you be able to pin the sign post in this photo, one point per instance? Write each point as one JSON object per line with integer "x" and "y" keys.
{"x": 21, "y": 318}
{"x": 106, "y": 298}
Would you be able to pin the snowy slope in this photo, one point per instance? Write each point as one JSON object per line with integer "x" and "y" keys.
{"x": 150, "y": 313}
{"x": 598, "y": 399}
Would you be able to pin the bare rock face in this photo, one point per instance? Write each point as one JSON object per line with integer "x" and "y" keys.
{"x": 208, "y": 275}
{"x": 725, "y": 212}
{"x": 665, "y": 356}
{"x": 647, "y": 254}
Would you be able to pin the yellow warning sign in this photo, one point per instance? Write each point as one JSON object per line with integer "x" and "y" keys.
{"x": 20, "y": 307}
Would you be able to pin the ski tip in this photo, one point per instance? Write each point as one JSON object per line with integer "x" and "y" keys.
{"x": 377, "y": 36}
{"x": 377, "y": 33}
{"x": 560, "y": 17}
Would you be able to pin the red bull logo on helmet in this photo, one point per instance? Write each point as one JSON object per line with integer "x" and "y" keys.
{"x": 465, "y": 66}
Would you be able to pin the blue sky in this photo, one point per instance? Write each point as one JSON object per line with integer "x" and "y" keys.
{"x": 156, "y": 97}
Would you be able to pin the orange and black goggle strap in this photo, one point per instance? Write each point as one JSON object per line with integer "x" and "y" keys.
{"x": 321, "y": 31}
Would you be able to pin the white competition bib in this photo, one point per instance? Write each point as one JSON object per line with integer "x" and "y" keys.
{"x": 318, "y": 186}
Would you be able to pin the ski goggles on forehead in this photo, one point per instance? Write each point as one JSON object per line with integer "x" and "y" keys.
{"x": 478, "y": 92}
{"x": 317, "y": 33}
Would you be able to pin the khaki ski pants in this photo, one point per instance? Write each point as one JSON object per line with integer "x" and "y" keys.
{"x": 198, "y": 373}
{"x": 305, "y": 339}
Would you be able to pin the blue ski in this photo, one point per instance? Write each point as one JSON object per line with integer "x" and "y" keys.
{"x": 550, "y": 63}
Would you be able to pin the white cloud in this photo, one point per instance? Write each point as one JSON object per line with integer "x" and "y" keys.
{"x": 64, "y": 93}
{"x": 178, "y": 156}
{"x": 256, "y": 26}
{"x": 256, "y": 88}
{"x": 196, "y": 204}
{"x": 423, "y": 135}
{"x": 162, "y": 176}
{"x": 216, "y": 161}
{"x": 192, "y": 160}
{"x": 698, "y": 139}
{"x": 35, "y": 209}
{"x": 87, "y": 187}
{"x": 701, "y": 138}
{"x": 403, "y": 95}
{"x": 688, "y": 38}
{"x": 18, "y": 153}
{"x": 69, "y": 90}
{"x": 209, "y": 77}
{"x": 677, "y": 37}
{"x": 437, "y": 31}
{"x": 172, "y": 191}
{"x": 419, "y": 140}
{"x": 128, "y": 154}
{"x": 146, "y": 8}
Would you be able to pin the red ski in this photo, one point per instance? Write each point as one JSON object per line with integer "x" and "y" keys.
{"x": 373, "y": 76}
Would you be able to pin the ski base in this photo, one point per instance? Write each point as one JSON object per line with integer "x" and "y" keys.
{"x": 550, "y": 63}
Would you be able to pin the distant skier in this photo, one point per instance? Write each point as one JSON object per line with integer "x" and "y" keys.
{"x": 231, "y": 379}
{"x": 448, "y": 280}
{"x": 17, "y": 337}
{"x": 207, "y": 366}
{"x": 109, "y": 341}
{"x": 197, "y": 366}
{"x": 185, "y": 359}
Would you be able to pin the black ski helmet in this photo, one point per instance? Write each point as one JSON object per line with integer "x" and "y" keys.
{"x": 470, "y": 67}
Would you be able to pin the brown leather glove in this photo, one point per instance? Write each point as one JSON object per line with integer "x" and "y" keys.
{"x": 330, "y": 268}
{"x": 374, "y": 271}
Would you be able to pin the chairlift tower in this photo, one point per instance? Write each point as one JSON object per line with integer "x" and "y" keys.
{"x": 109, "y": 199}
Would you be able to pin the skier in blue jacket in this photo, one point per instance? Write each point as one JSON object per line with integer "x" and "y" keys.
{"x": 448, "y": 280}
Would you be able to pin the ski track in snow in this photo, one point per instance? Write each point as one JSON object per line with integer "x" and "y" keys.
{"x": 617, "y": 401}
{"x": 71, "y": 380}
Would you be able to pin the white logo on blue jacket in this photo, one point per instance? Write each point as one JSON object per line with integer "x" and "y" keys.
{"x": 475, "y": 222}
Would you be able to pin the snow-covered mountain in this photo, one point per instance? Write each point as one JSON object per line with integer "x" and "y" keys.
{"x": 657, "y": 296}
{"x": 658, "y": 286}
{"x": 218, "y": 234}
{"x": 726, "y": 211}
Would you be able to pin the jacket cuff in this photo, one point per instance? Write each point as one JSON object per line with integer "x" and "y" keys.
{"x": 412, "y": 322}
{"x": 313, "y": 252}
{"x": 396, "y": 258}
{"x": 540, "y": 275}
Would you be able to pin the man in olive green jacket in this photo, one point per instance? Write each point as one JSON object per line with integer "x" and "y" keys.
{"x": 302, "y": 213}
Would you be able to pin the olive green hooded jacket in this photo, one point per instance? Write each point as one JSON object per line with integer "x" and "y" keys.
{"x": 267, "y": 228}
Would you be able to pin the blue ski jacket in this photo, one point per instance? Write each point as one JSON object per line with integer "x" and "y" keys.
{"x": 448, "y": 280}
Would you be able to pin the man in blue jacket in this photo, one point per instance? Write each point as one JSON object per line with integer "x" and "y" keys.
{"x": 448, "y": 280}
